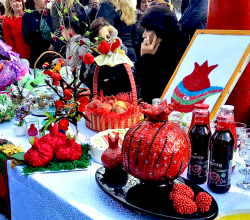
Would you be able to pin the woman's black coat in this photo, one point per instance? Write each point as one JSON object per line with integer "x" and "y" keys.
{"x": 32, "y": 35}
{"x": 154, "y": 71}
{"x": 128, "y": 34}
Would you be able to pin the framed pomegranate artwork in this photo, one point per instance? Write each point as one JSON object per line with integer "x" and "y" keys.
{"x": 156, "y": 150}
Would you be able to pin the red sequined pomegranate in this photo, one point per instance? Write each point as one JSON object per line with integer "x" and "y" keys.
{"x": 156, "y": 150}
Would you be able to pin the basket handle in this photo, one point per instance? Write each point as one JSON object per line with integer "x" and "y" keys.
{"x": 132, "y": 83}
{"x": 53, "y": 52}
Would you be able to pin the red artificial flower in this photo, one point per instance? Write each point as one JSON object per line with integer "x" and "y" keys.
{"x": 59, "y": 103}
{"x": 81, "y": 42}
{"x": 56, "y": 77}
{"x": 104, "y": 47}
{"x": 40, "y": 154}
{"x": 115, "y": 44}
{"x": 71, "y": 34}
{"x": 56, "y": 83}
{"x": 54, "y": 38}
{"x": 70, "y": 151}
{"x": 63, "y": 124}
{"x": 80, "y": 57}
{"x": 84, "y": 100}
{"x": 48, "y": 72}
{"x": 61, "y": 27}
{"x": 88, "y": 58}
{"x": 67, "y": 93}
{"x": 59, "y": 1}
{"x": 69, "y": 58}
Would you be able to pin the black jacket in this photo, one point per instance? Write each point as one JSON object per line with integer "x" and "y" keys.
{"x": 194, "y": 17}
{"x": 128, "y": 34}
{"x": 112, "y": 80}
{"x": 80, "y": 13}
{"x": 33, "y": 36}
{"x": 154, "y": 71}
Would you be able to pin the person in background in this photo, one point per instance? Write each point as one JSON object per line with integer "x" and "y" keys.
{"x": 37, "y": 28}
{"x": 73, "y": 48}
{"x": 194, "y": 17}
{"x": 71, "y": 7}
{"x": 93, "y": 11}
{"x": 184, "y": 5}
{"x": 2, "y": 12}
{"x": 161, "y": 51}
{"x": 2, "y": 9}
{"x": 112, "y": 80}
{"x": 141, "y": 6}
{"x": 12, "y": 28}
{"x": 122, "y": 15}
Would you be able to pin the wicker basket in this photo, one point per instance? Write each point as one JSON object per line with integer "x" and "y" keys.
{"x": 98, "y": 123}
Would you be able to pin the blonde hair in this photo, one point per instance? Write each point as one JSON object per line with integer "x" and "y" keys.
{"x": 9, "y": 10}
{"x": 68, "y": 4}
{"x": 128, "y": 14}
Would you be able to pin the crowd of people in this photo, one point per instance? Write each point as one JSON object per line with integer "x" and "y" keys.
{"x": 153, "y": 38}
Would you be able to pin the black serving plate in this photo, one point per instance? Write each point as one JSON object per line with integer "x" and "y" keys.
{"x": 148, "y": 198}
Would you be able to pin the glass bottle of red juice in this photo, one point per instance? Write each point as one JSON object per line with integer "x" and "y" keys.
{"x": 199, "y": 106}
{"x": 199, "y": 136}
{"x": 229, "y": 111}
{"x": 221, "y": 156}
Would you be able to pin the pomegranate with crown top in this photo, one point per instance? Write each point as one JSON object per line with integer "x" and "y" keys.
{"x": 156, "y": 150}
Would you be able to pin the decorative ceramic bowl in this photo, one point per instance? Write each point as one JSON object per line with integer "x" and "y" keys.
{"x": 241, "y": 214}
{"x": 99, "y": 142}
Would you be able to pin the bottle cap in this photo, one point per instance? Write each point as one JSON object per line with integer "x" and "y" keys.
{"x": 201, "y": 106}
{"x": 227, "y": 107}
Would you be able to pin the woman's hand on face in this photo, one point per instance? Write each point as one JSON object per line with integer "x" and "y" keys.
{"x": 147, "y": 48}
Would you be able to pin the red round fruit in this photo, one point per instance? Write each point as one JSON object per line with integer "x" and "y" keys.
{"x": 156, "y": 150}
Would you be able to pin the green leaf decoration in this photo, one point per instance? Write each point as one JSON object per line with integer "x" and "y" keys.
{"x": 59, "y": 13}
{"x": 61, "y": 38}
{"x": 18, "y": 156}
{"x": 95, "y": 49}
{"x": 65, "y": 10}
{"x": 75, "y": 17}
{"x": 32, "y": 140}
{"x": 76, "y": 1}
{"x": 96, "y": 38}
{"x": 51, "y": 34}
{"x": 89, "y": 50}
{"x": 87, "y": 33}
{"x": 56, "y": 165}
{"x": 49, "y": 115}
{"x": 28, "y": 11}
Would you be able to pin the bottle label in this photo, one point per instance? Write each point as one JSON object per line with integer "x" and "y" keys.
{"x": 218, "y": 175}
{"x": 198, "y": 166}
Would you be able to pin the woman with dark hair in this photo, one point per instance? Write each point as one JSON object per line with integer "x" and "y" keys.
{"x": 112, "y": 80}
{"x": 161, "y": 51}
{"x": 37, "y": 28}
{"x": 12, "y": 28}
{"x": 121, "y": 15}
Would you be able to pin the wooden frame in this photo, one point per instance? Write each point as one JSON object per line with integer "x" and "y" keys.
{"x": 236, "y": 72}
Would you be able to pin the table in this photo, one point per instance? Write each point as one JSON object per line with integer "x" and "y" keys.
{"x": 76, "y": 195}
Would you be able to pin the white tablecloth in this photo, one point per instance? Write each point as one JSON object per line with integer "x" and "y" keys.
{"x": 76, "y": 195}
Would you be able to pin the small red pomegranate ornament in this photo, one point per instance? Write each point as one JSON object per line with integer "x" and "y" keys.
{"x": 112, "y": 157}
{"x": 156, "y": 150}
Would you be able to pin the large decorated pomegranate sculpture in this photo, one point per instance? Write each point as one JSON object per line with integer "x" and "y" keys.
{"x": 156, "y": 150}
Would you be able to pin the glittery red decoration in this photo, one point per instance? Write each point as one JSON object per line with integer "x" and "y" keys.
{"x": 156, "y": 150}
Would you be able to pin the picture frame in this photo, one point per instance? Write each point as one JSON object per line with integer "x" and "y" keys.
{"x": 209, "y": 69}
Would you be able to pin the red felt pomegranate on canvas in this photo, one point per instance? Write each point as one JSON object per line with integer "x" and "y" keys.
{"x": 156, "y": 150}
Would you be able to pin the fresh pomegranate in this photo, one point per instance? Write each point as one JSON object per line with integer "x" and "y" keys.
{"x": 156, "y": 150}
{"x": 112, "y": 157}
{"x": 94, "y": 104}
{"x": 106, "y": 106}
